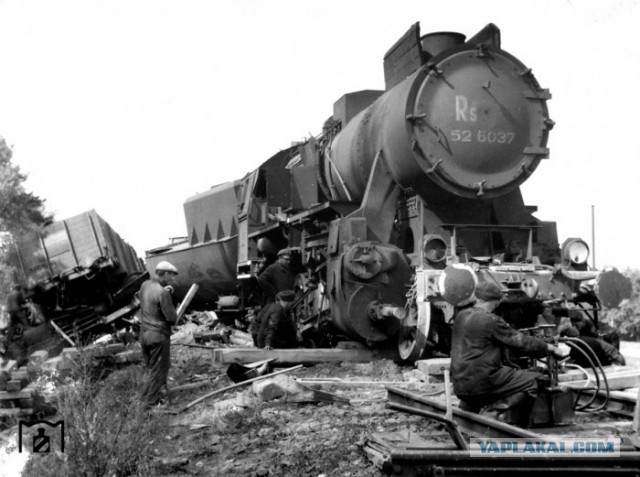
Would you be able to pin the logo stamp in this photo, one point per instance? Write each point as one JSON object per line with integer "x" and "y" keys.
{"x": 41, "y": 437}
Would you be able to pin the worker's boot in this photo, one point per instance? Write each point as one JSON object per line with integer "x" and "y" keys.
{"x": 516, "y": 400}
{"x": 519, "y": 409}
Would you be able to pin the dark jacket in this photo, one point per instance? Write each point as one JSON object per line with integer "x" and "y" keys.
{"x": 277, "y": 328}
{"x": 275, "y": 278}
{"x": 156, "y": 308}
{"x": 606, "y": 353}
{"x": 476, "y": 350}
{"x": 15, "y": 301}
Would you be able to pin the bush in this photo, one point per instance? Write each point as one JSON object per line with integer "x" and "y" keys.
{"x": 108, "y": 432}
{"x": 626, "y": 319}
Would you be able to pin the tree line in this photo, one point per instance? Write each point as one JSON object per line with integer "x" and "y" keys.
{"x": 20, "y": 212}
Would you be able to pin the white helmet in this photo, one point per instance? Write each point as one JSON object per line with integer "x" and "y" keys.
{"x": 166, "y": 267}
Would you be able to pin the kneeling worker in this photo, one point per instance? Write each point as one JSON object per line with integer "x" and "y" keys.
{"x": 278, "y": 329}
{"x": 478, "y": 375}
{"x": 157, "y": 316}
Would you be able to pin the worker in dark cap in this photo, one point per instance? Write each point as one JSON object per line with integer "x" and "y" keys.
{"x": 157, "y": 315}
{"x": 479, "y": 378}
{"x": 277, "y": 277}
{"x": 278, "y": 328}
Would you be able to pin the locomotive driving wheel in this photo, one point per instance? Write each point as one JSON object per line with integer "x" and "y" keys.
{"x": 311, "y": 304}
{"x": 414, "y": 331}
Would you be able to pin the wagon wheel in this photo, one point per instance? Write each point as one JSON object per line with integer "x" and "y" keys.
{"x": 414, "y": 331}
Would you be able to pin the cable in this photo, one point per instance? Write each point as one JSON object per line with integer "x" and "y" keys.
{"x": 576, "y": 342}
{"x": 595, "y": 373}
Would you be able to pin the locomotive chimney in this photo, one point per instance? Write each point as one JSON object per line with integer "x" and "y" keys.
{"x": 435, "y": 43}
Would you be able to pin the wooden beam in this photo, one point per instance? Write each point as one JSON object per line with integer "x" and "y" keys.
{"x": 620, "y": 380}
{"x": 578, "y": 375}
{"x": 61, "y": 333}
{"x": 300, "y": 356}
{"x": 119, "y": 313}
{"x": 431, "y": 389}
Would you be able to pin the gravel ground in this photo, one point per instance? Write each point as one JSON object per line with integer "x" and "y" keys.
{"x": 237, "y": 434}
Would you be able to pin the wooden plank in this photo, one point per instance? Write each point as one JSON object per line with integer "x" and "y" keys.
{"x": 300, "y": 356}
{"x": 346, "y": 383}
{"x": 628, "y": 379}
{"x": 61, "y": 333}
{"x": 578, "y": 375}
{"x": 10, "y": 366}
{"x": 125, "y": 310}
{"x": 435, "y": 366}
{"x": 16, "y": 412}
{"x": 16, "y": 385}
{"x": 25, "y": 393}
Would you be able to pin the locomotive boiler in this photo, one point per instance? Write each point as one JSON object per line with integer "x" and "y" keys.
{"x": 406, "y": 200}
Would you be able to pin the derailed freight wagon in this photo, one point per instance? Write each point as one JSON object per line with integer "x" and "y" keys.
{"x": 78, "y": 270}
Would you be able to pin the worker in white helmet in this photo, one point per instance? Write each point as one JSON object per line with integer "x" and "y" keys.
{"x": 157, "y": 315}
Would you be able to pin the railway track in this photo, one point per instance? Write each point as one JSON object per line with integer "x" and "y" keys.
{"x": 425, "y": 459}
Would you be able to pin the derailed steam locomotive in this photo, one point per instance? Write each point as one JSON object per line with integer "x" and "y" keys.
{"x": 407, "y": 198}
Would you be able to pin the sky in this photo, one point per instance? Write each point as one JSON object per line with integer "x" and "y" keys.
{"x": 130, "y": 107}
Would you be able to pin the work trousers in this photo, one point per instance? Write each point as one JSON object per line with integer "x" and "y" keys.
{"x": 157, "y": 358}
{"x": 16, "y": 319}
{"x": 521, "y": 382}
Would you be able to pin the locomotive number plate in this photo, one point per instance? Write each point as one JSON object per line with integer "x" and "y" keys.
{"x": 482, "y": 135}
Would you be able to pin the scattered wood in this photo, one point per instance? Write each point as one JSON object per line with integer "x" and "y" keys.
{"x": 61, "y": 333}
{"x": 233, "y": 386}
{"x": 16, "y": 412}
{"x": 301, "y": 356}
{"x": 347, "y": 383}
{"x": 323, "y": 396}
{"x": 16, "y": 385}
{"x": 20, "y": 374}
{"x": 194, "y": 346}
{"x": 25, "y": 393}
{"x": 241, "y": 341}
{"x": 39, "y": 357}
{"x": 119, "y": 313}
{"x": 10, "y": 366}
{"x": 434, "y": 366}
{"x": 619, "y": 379}
{"x": 211, "y": 335}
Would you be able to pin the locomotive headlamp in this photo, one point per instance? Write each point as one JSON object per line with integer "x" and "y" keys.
{"x": 434, "y": 248}
{"x": 575, "y": 250}
{"x": 530, "y": 287}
